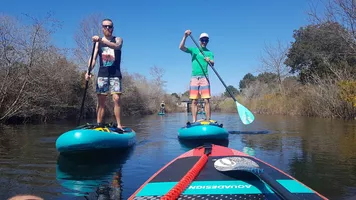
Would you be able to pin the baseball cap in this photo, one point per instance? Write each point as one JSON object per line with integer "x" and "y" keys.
{"x": 204, "y": 35}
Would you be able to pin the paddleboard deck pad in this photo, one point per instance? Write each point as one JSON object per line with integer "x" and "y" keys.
{"x": 211, "y": 183}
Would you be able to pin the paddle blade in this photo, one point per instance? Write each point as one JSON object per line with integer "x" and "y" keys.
{"x": 245, "y": 115}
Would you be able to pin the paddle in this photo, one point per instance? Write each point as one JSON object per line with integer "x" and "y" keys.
{"x": 245, "y": 115}
{"x": 229, "y": 164}
{"x": 86, "y": 84}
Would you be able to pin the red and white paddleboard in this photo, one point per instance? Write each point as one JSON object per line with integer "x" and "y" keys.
{"x": 217, "y": 172}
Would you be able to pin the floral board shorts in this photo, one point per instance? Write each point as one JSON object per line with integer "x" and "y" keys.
{"x": 199, "y": 84}
{"x": 108, "y": 85}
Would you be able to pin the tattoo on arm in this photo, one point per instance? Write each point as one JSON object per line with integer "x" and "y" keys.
{"x": 115, "y": 45}
{"x": 118, "y": 43}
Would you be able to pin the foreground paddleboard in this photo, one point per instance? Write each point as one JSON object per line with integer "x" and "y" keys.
{"x": 85, "y": 139}
{"x": 212, "y": 182}
{"x": 203, "y": 129}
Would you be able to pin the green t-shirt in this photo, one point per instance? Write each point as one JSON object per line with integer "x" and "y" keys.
{"x": 199, "y": 65}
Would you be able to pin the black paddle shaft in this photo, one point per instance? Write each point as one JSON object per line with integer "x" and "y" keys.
{"x": 278, "y": 188}
{"x": 86, "y": 83}
{"x": 213, "y": 68}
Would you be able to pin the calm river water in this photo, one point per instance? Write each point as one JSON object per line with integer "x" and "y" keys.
{"x": 319, "y": 152}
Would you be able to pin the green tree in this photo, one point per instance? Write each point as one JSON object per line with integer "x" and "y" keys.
{"x": 185, "y": 94}
{"x": 246, "y": 80}
{"x": 232, "y": 90}
{"x": 321, "y": 51}
{"x": 175, "y": 95}
{"x": 341, "y": 11}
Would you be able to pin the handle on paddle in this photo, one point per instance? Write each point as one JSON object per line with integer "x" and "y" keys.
{"x": 248, "y": 165}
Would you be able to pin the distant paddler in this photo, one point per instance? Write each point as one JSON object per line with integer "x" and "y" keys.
{"x": 162, "y": 107}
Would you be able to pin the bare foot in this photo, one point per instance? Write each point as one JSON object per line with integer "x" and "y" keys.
{"x": 120, "y": 128}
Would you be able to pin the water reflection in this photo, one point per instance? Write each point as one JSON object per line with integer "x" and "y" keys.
{"x": 191, "y": 144}
{"x": 249, "y": 151}
{"x": 318, "y": 152}
{"x": 250, "y": 132}
{"x": 93, "y": 175}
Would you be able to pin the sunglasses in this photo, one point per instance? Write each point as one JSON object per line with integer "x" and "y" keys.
{"x": 205, "y": 40}
{"x": 107, "y": 26}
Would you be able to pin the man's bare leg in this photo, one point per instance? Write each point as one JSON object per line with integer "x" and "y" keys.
{"x": 117, "y": 109}
{"x": 100, "y": 108}
{"x": 194, "y": 109}
{"x": 207, "y": 109}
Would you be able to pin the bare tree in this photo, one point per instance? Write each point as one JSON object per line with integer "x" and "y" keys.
{"x": 273, "y": 61}
{"x": 36, "y": 80}
{"x": 341, "y": 11}
{"x": 20, "y": 51}
{"x": 157, "y": 74}
{"x": 156, "y": 86}
{"x": 88, "y": 27}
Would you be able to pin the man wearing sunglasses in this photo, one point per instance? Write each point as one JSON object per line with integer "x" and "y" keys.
{"x": 199, "y": 82}
{"x": 109, "y": 75}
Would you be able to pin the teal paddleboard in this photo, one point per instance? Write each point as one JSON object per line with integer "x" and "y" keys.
{"x": 204, "y": 129}
{"x": 90, "y": 137}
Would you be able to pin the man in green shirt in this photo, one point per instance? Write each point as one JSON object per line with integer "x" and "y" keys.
{"x": 199, "y": 82}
